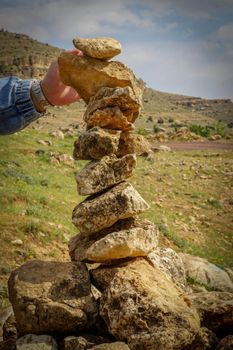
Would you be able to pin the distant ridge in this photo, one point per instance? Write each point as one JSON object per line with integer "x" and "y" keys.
{"x": 25, "y": 57}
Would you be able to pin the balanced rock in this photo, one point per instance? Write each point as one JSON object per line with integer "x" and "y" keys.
{"x": 215, "y": 310}
{"x": 133, "y": 238}
{"x": 99, "y": 175}
{"x": 52, "y": 297}
{"x": 36, "y": 342}
{"x": 101, "y": 48}
{"x": 96, "y": 143}
{"x": 168, "y": 261}
{"x": 113, "y": 108}
{"x": 80, "y": 243}
{"x": 87, "y": 75}
{"x": 132, "y": 143}
{"x": 143, "y": 307}
{"x": 206, "y": 273}
{"x": 99, "y": 212}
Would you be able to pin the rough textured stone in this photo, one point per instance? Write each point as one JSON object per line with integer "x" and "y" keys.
{"x": 52, "y": 297}
{"x": 87, "y": 75}
{"x": 206, "y": 273}
{"x": 226, "y": 343}
{"x": 9, "y": 328}
{"x": 229, "y": 271}
{"x": 36, "y": 342}
{"x": 80, "y": 243}
{"x": 99, "y": 212}
{"x": 4, "y": 315}
{"x": 96, "y": 143}
{"x": 101, "y": 48}
{"x": 83, "y": 342}
{"x": 208, "y": 340}
{"x": 215, "y": 310}
{"x": 99, "y": 175}
{"x": 205, "y": 340}
{"x": 141, "y": 305}
{"x": 113, "y": 108}
{"x": 132, "y": 143}
{"x": 136, "y": 239}
{"x": 111, "y": 346}
{"x": 7, "y": 344}
{"x": 168, "y": 261}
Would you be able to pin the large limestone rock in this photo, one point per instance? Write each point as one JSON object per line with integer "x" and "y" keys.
{"x": 215, "y": 310}
{"x": 87, "y": 75}
{"x": 96, "y": 143}
{"x": 205, "y": 273}
{"x": 132, "y": 143}
{"x": 99, "y": 175}
{"x": 137, "y": 238}
{"x": 168, "y": 261}
{"x": 52, "y": 297}
{"x": 99, "y": 212}
{"x": 36, "y": 342}
{"x": 143, "y": 307}
{"x": 113, "y": 108}
{"x": 101, "y": 48}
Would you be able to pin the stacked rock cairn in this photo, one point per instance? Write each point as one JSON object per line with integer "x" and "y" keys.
{"x": 123, "y": 302}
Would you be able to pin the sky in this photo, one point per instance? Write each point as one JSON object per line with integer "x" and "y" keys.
{"x": 177, "y": 46}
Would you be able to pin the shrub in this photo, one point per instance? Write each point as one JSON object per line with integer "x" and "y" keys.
{"x": 156, "y": 128}
{"x": 220, "y": 129}
{"x": 200, "y": 130}
{"x": 142, "y": 131}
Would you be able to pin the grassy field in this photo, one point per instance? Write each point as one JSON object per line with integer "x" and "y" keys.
{"x": 190, "y": 197}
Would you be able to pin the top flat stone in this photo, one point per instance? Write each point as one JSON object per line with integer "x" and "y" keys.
{"x": 101, "y": 48}
{"x": 87, "y": 75}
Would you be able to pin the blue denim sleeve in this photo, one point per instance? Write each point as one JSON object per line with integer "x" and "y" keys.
{"x": 16, "y": 107}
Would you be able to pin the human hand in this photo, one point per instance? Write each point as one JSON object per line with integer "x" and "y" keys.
{"x": 55, "y": 91}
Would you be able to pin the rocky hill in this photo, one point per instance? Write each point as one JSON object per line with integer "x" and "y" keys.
{"x": 25, "y": 57}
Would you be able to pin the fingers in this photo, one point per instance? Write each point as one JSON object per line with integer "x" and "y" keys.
{"x": 75, "y": 52}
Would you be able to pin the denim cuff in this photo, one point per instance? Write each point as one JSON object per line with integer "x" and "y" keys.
{"x": 24, "y": 103}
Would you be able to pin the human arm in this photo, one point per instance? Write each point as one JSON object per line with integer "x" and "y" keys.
{"x": 19, "y": 99}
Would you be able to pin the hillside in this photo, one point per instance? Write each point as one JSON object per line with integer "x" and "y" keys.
{"x": 25, "y": 57}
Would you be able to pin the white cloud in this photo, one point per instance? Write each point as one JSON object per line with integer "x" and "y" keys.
{"x": 225, "y": 33}
{"x": 181, "y": 68}
{"x": 196, "y": 68}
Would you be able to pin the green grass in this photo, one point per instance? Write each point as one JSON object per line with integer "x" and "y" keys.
{"x": 188, "y": 192}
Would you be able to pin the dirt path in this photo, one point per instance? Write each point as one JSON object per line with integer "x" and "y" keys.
{"x": 190, "y": 146}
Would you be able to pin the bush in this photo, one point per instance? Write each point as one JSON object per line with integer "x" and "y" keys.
{"x": 142, "y": 131}
{"x": 200, "y": 130}
{"x": 156, "y": 128}
{"x": 220, "y": 129}
{"x": 208, "y": 130}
